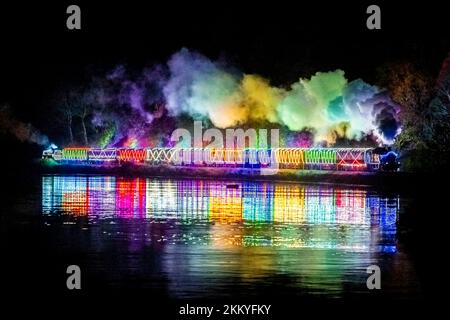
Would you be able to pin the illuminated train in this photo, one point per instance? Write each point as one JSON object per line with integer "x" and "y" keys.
{"x": 353, "y": 159}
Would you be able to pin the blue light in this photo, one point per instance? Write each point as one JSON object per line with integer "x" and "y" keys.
{"x": 383, "y": 156}
{"x": 388, "y": 249}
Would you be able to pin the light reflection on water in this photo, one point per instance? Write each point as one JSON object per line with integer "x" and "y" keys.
{"x": 212, "y": 236}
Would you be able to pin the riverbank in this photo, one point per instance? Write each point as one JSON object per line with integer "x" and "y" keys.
{"x": 386, "y": 180}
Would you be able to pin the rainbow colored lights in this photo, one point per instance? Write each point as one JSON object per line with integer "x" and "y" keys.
{"x": 339, "y": 218}
{"x": 252, "y": 158}
{"x": 316, "y": 234}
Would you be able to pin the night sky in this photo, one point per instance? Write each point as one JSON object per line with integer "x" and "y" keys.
{"x": 280, "y": 41}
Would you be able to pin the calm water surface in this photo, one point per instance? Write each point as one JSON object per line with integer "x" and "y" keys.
{"x": 203, "y": 238}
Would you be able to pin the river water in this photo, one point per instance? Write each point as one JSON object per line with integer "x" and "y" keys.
{"x": 195, "y": 238}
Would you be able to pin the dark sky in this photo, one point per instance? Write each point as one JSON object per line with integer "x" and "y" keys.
{"x": 278, "y": 40}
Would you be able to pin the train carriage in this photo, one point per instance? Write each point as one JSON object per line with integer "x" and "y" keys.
{"x": 349, "y": 159}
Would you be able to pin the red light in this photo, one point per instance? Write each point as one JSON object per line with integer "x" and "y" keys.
{"x": 131, "y": 154}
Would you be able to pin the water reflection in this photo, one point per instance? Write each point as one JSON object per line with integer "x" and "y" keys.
{"x": 211, "y": 233}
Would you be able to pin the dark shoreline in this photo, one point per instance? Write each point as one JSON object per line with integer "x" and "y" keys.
{"x": 390, "y": 181}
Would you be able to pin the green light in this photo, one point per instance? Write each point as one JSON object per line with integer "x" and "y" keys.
{"x": 74, "y": 154}
{"x": 320, "y": 156}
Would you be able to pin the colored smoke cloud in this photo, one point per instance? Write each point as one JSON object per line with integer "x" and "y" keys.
{"x": 326, "y": 105}
{"x": 201, "y": 88}
{"x": 204, "y": 89}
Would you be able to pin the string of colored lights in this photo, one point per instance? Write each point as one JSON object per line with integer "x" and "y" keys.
{"x": 296, "y": 158}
